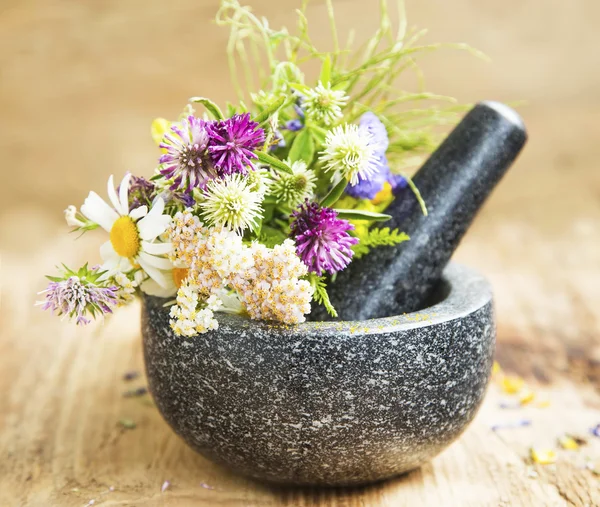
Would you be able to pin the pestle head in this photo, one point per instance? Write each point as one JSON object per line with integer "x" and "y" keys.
{"x": 454, "y": 182}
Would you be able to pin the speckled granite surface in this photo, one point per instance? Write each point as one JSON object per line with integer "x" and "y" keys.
{"x": 455, "y": 182}
{"x": 332, "y": 402}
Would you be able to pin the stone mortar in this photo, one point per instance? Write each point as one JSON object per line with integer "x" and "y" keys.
{"x": 328, "y": 403}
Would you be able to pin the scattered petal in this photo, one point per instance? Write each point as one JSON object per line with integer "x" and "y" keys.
{"x": 165, "y": 486}
{"x": 532, "y": 473}
{"x": 515, "y": 424}
{"x": 512, "y": 384}
{"x": 595, "y": 430}
{"x": 134, "y": 393}
{"x": 526, "y": 397}
{"x": 128, "y": 424}
{"x": 567, "y": 442}
{"x": 496, "y": 368}
{"x": 543, "y": 456}
{"x": 130, "y": 375}
{"x": 206, "y": 486}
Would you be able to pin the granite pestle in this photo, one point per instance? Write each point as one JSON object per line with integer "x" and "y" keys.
{"x": 454, "y": 182}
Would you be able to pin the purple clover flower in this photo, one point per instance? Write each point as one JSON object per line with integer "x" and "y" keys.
{"x": 322, "y": 239}
{"x": 187, "y": 161}
{"x": 232, "y": 143}
{"x": 74, "y": 298}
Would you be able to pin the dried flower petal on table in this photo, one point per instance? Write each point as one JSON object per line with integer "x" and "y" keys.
{"x": 165, "y": 486}
{"x": 512, "y": 384}
{"x": 496, "y": 368}
{"x": 132, "y": 393}
{"x": 515, "y": 424}
{"x": 128, "y": 424}
{"x": 568, "y": 443}
{"x": 526, "y": 397}
{"x": 543, "y": 456}
{"x": 130, "y": 375}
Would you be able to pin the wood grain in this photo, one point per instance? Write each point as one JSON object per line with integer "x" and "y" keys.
{"x": 79, "y": 84}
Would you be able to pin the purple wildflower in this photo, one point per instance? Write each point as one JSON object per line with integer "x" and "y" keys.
{"x": 369, "y": 188}
{"x": 322, "y": 240}
{"x": 232, "y": 142}
{"x": 397, "y": 182}
{"x": 376, "y": 128}
{"x": 294, "y": 125}
{"x": 74, "y": 297}
{"x": 187, "y": 161}
{"x": 141, "y": 192}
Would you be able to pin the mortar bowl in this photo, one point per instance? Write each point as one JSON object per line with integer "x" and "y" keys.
{"x": 327, "y": 403}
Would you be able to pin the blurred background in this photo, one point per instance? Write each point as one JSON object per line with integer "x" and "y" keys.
{"x": 80, "y": 83}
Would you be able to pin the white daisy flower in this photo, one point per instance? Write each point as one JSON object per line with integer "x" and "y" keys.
{"x": 133, "y": 234}
{"x": 231, "y": 203}
{"x": 324, "y": 105}
{"x": 349, "y": 153}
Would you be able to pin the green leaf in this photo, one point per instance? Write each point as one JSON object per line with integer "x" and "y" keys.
{"x": 357, "y": 214}
{"x": 257, "y": 226}
{"x": 325, "y": 76}
{"x": 265, "y": 158}
{"x": 302, "y": 88}
{"x": 156, "y": 177}
{"x": 271, "y": 237}
{"x": 210, "y": 106}
{"x": 378, "y": 237}
{"x": 268, "y": 111}
{"x": 334, "y": 194}
{"x": 320, "y": 295}
{"x": 230, "y": 110}
{"x": 319, "y": 133}
{"x": 303, "y": 147}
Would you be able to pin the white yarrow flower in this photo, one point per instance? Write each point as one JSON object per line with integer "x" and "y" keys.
{"x": 133, "y": 234}
{"x": 349, "y": 154}
{"x": 324, "y": 105}
{"x": 231, "y": 203}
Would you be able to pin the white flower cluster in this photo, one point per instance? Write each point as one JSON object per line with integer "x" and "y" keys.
{"x": 127, "y": 286}
{"x": 271, "y": 289}
{"x": 186, "y": 317}
{"x": 266, "y": 280}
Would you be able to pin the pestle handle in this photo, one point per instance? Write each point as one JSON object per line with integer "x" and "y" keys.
{"x": 454, "y": 182}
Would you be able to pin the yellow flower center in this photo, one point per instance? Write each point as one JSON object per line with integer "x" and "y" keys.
{"x": 125, "y": 238}
{"x": 179, "y": 275}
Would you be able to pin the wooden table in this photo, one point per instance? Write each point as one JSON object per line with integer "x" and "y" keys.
{"x": 61, "y": 442}
{"x": 106, "y": 70}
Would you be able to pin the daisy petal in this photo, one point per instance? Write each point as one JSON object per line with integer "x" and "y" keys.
{"x": 152, "y": 288}
{"x": 156, "y": 274}
{"x": 124, "y": 193}
{"x": 140, "y": 212}
{"x": 107, "y": 252}
{"x": 157, "y": 262}
{"x": 112, "y": 195}
{"x": 154, "y": 223}
{"x": 97, "y": 210}
{"x": 157, "y": 248}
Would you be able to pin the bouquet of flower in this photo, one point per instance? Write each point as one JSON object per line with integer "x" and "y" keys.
{"x": 254, "y": 208}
